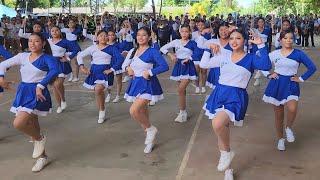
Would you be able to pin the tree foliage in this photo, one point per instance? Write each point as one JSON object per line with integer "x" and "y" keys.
{"x": 169, "y": 2}
{"x": 282, "y": 7}
{"x": 209, "y": 7}
{"x": 80, "y": 3}
{"x": 134, "y": 5}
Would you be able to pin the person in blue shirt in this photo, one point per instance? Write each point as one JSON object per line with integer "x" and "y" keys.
{"x": 6, "y": 55}
{"x": 144, "y": 86}
{"x": 283, "y": 88}
{"x": 229, "y": 101}
{"x": 38, "y": 68}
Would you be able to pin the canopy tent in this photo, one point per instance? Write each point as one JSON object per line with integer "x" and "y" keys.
{"x": 43, "y": 15}
{"x": 4, "y": 10}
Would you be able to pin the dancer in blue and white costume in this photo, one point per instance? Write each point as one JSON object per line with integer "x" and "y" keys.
{"x": 60, "y": 47}
{"x": 154, "y": 45}
{"x": 222, "y": 42}
{"x": 229, "y": 101}
{"x": 6, "y": 55}
{"x": 283, "y": 88}
{"x": 100, "y": 75}
{"x": 118, "y": 73}
{"x": 264, "y": 32}
{"x": 126, "y": 35}
{"x": 285, "y": 26}
{"x": 144, "y": 63}
{"x": 200, "y": 37}
{"x": 72, "y": 34}
{"x": 111, "y": 38}
{"x": 38, "y": 68}
{"x": 184, "y": 69}
{"x": 36, "y": 28}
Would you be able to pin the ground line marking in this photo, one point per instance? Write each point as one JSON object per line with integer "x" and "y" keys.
{"x": 186, "y": 156}
{"x": 6, "y": 102}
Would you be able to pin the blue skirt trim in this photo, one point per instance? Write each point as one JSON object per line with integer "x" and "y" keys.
{"x": 183, "y": 71}
{"x": 97, "y": 76}
{"x": 139, "y": 87}
{"x": 213, "y": 77}
{"x": 64, "y": 68}
{"x": 231, "y": 100}
{"x": 280, "y": 91}
{"x": 26, "y": 100}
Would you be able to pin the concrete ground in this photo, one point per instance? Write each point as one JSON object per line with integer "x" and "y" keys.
{"x": 79, "y": 148}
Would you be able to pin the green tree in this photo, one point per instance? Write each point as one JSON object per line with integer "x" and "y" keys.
{"x": 134, "y": 5}
{"x": 80, "y": 3}
{"x": 169, "y": 2}
{"x": 9, "y": 3}
{"x": 55, "y": 3}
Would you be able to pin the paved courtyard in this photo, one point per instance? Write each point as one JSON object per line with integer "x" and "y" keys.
{"x": 81, "y": 149}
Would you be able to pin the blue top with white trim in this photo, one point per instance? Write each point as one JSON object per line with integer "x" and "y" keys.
{"x": 42, "y": 70}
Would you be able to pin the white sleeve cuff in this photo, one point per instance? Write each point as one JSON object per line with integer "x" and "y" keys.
{"x": 150, "y": 72}
{"x": 261, "y": 45}
{"x": 300, "y": 78}
{"x": 112, "y": 70}
{"x": 265, "y": 73}
{"x": 165, "y": 51}
{"x": 40, "y": 86}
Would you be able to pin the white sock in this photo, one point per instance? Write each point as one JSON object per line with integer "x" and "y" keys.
{"x": 150, "y": 128}
{"x": 102, "y": 114}
{"x": 224, "y": 152}
{"x": 183, "y": 111}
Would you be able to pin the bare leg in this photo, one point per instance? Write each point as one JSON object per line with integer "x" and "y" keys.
{"x": 59, "y": 90}
{"x": 198, "y": 72}
{"x": 119, "y": 84}
{"x": 182, "y": 93}
{"x": 76, "y": 69}
{"x": 292, "y": 108}
{"x": 25, "y": 123}
{"x": 279, "y": 117}
{"x": 203, "y": 77}
{"x": 99, "y": 92}
{"x": 139, "y": 112}
{"x": 220, "y": 125}
{"x": 56, "y": 92}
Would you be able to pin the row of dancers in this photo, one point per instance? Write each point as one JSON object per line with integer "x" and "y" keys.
{"x": 231, "y": 68}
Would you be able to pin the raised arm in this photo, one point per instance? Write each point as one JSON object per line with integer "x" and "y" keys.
{"x": 262, "y": 61}
{"x": 213, "y": 62}
{"x": 277, "y": 41}
{"x": 127, "y": 61}
{"x": 89, "y": 36}
{"x": 22, "y": 34}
